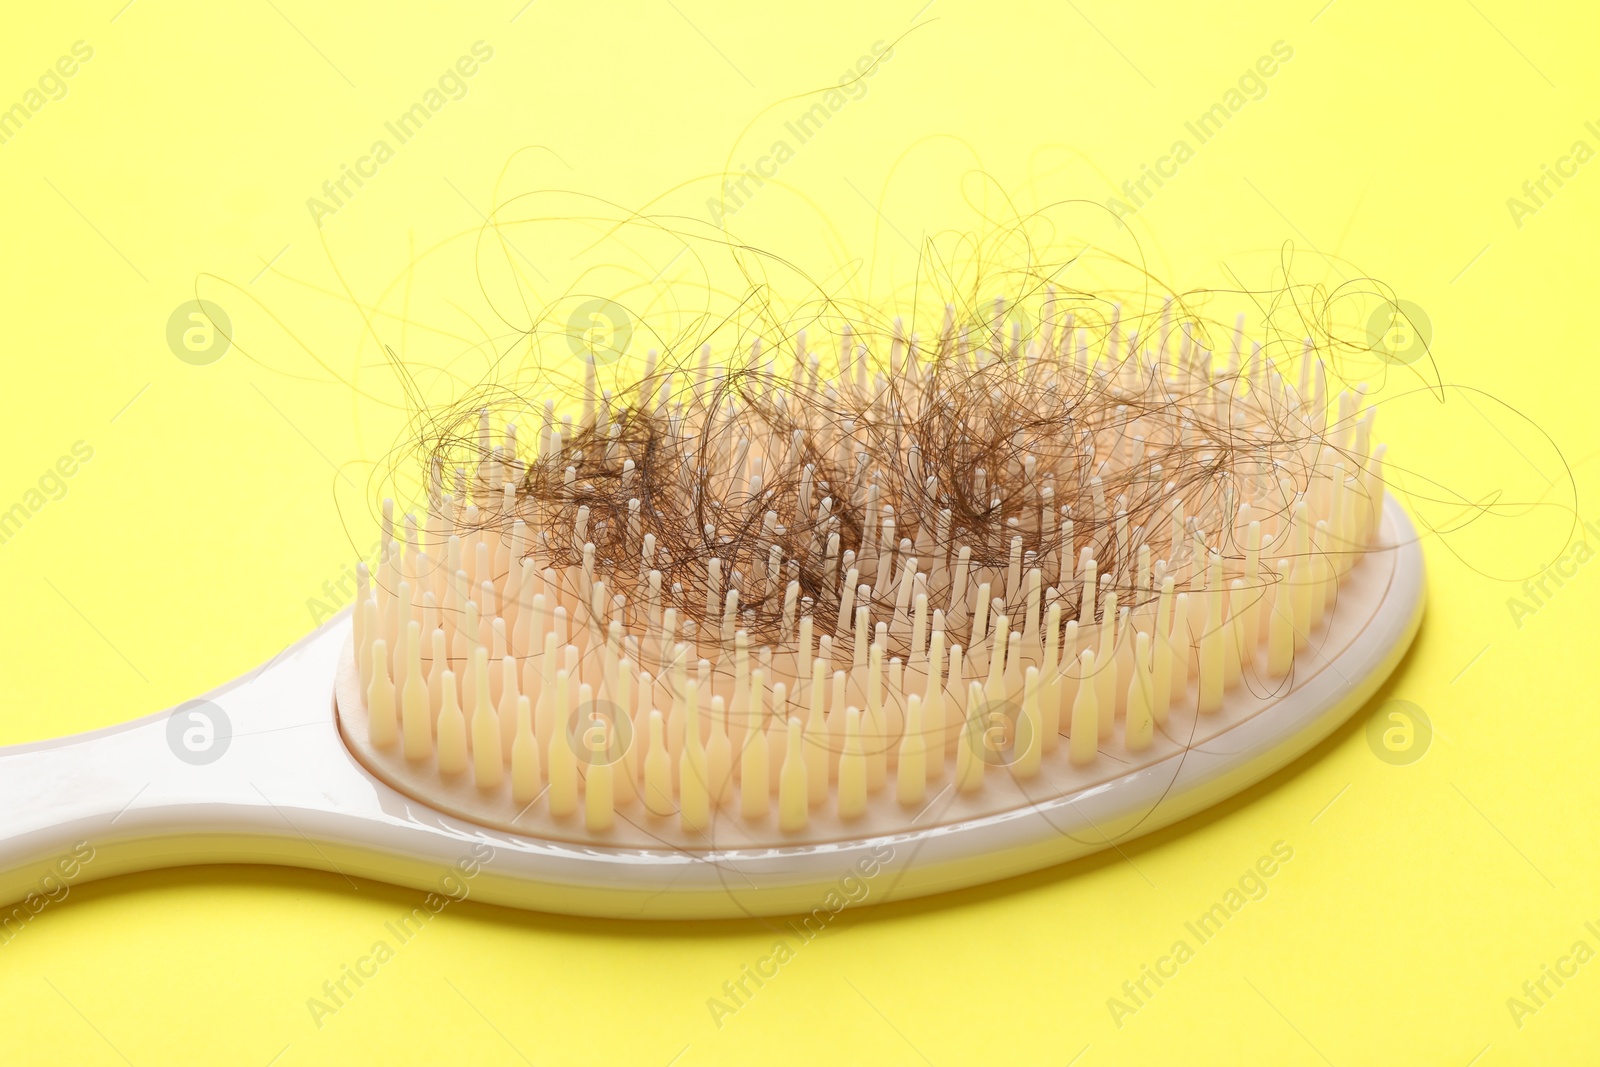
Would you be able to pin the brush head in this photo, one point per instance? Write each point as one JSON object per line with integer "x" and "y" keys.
{"x": 739, "y": 607}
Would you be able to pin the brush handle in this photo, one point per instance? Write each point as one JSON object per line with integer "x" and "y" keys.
{"x": 229, "y": 769}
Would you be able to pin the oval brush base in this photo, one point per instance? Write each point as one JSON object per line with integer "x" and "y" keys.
{"x": 290, "y": 787}
{"x": 648, "y": 866}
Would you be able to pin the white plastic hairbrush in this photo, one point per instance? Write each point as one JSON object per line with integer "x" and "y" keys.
{"x": 647, "y": 732}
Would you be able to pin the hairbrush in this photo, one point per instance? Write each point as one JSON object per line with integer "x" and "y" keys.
{"x": 934, "y": 614}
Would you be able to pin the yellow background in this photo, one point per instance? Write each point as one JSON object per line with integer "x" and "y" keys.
{"x": 184, "y": 552}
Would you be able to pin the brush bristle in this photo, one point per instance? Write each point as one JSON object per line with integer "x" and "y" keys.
{"x": 801, "y": 600}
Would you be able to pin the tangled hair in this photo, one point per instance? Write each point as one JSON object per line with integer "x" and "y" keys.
{"x": 979, "y": 456}
{"x": 810, "y": 543}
